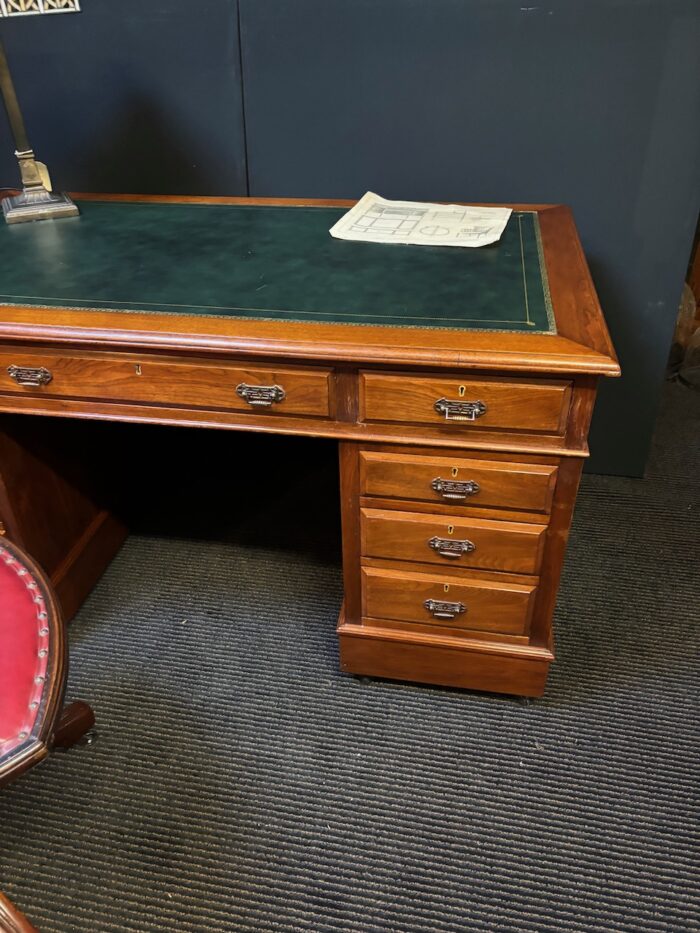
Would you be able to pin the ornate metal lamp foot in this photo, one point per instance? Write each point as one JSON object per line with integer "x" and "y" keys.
{"x": 37, "y": 204}
{"x": 37, "y": 201}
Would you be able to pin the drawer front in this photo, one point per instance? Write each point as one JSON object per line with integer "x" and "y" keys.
{"x": 235, "y": 387}
{"x": 457, "y": 542}
{"x": 466, "y": 404}
{"x": 427, "y": 598}
{"x": 455, "y": 481}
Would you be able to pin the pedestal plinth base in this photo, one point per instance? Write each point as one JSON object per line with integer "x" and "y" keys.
{"x": 375, "y": 652}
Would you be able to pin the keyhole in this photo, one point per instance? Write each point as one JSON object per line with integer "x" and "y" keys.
{"x": 450, "y": 529}
{"x": 138, "y": 369}
{"x": 446, "y": 587}
{"x": 455, "y": 471}
{"x": 462, "y": 391}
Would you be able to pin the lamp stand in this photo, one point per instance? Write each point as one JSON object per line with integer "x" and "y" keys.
{"x": 37, "y": 201}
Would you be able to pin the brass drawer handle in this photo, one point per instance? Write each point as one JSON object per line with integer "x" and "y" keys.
{"x": 441, "y": 609}
{"x": 30, "y": 375}
{"x": 261, "y": 396}
{"x": 448, "y": 547}
{"x": 455, "y": 489}
{"x": 459, "y": 411}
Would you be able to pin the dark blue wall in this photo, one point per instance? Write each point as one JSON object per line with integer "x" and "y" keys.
{"x": 131, "y": 96}
{"x": 593, "y": 103}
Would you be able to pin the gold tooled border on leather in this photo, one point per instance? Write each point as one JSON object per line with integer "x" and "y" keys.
{"x": 307, "y": 317}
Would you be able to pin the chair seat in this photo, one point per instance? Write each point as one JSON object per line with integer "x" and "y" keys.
{"x": 26, "y": 652}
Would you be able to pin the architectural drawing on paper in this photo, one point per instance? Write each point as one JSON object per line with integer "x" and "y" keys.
{"x": 376, "y": 220}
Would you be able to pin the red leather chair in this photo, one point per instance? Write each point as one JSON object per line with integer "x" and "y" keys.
{"x": 33, "y": 672}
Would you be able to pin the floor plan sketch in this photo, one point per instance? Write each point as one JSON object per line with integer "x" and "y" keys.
{"x": 376, "y": 220}
{"x": 391, "y": 221}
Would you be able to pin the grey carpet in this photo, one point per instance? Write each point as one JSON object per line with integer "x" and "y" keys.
{"x": 240, "y": 782}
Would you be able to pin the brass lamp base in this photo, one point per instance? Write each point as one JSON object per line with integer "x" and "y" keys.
{"x": 37, "y": 204}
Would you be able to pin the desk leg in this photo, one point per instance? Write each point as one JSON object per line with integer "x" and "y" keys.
{"x": 50, "y": 506}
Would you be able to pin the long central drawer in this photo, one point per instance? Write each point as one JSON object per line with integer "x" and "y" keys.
{"x": 457, "y": 542}
{"x": 227, "y": 386}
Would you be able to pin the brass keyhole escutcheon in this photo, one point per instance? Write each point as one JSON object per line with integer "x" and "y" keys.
{"x": 138, "y": 369}
{"x": 462, "y": 391}
{"x": 455, "y": 471}
{"x": 446, "y": 587}
{"x": 450, "y": 529}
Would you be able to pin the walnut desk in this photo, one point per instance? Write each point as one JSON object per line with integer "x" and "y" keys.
{"x": 458, "y": 383}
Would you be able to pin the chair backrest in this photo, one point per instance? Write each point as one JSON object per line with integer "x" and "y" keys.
{"x": 33, "y": 662}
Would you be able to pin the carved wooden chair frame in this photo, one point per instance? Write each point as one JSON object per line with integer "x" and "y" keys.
{"x": 53, "y": 725}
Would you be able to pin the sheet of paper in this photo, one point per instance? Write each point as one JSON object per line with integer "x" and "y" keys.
{"x": 376, "y": 220}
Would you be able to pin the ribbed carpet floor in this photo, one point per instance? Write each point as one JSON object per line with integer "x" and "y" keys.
{"x": 240, "y": 782}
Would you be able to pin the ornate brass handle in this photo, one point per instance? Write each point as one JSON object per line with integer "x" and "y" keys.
{"x": 441, "y": 609}
{"x": 261, "y": 396}
{"x": 455, "y": 489}
{"x": 449, "y": 547}
{"x": 30, "y": 375}
{"x": 459, "y": 411}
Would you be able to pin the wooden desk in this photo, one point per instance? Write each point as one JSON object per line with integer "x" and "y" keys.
{"x": 458, "y": 383}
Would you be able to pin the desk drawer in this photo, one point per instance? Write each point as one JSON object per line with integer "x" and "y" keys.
{"x": 454, "y": 480}
{"x": 457, "y": 542}
{"x": 430, "y": 599}
{"x": 235, "y": 387}
{"x": 464, "y": 404}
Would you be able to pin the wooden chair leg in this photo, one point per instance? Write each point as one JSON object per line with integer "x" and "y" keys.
{"x": 76, "y": 719}
{"x": 12, "y": 920}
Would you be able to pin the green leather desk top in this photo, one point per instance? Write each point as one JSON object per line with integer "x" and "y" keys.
{"x": 270, "y": 263}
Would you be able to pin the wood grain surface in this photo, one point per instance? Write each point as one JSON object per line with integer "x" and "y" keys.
{"x": 511, "y": 404}
{"x": 508, "y": 546}
{"x": 401, "y": 594}
{"x": 505, "y": 485}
